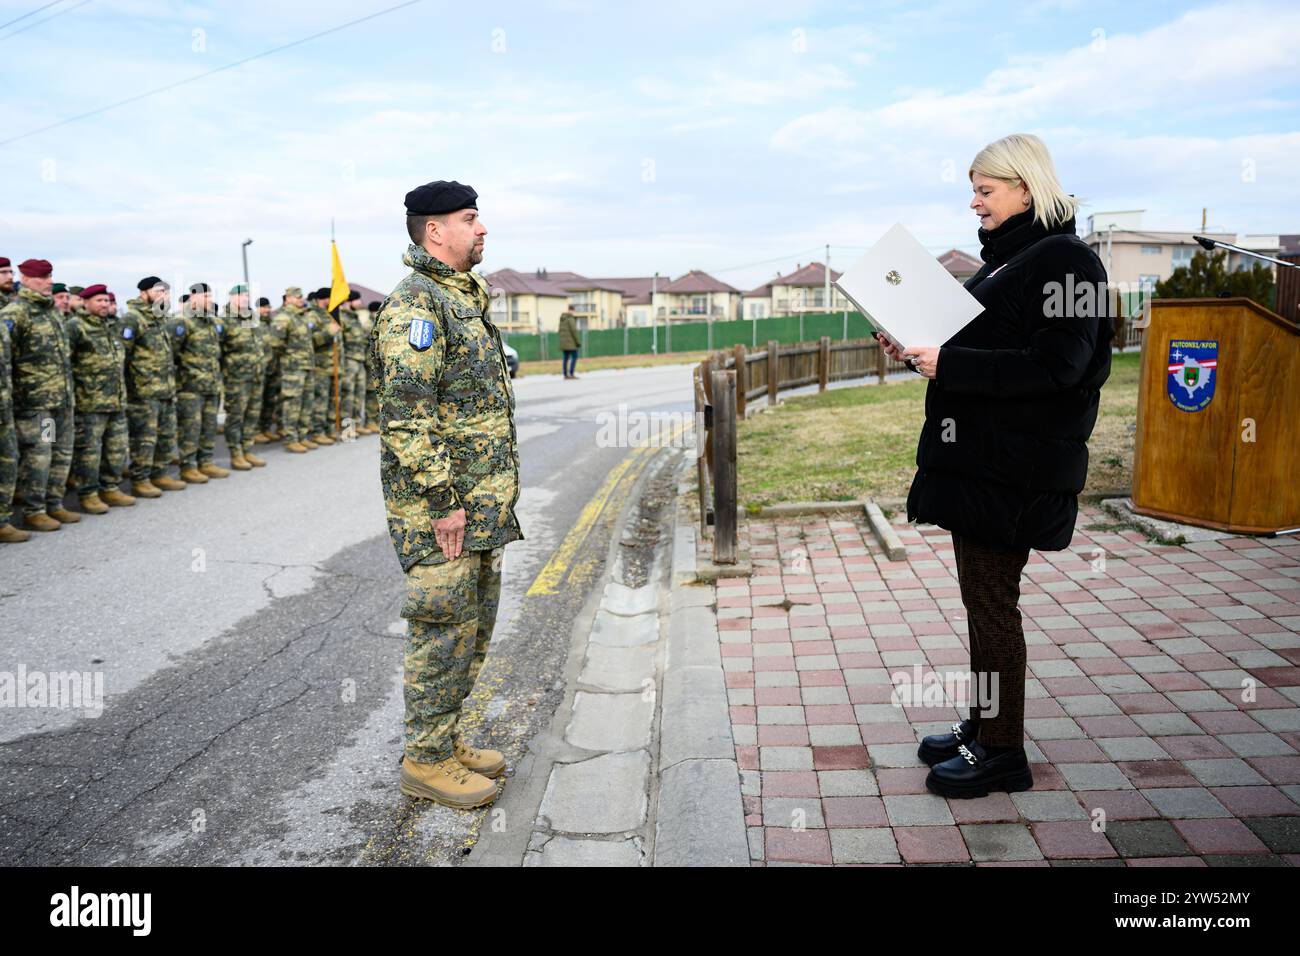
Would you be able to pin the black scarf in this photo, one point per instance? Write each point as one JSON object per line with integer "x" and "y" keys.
{"x": 1015, "y": 233}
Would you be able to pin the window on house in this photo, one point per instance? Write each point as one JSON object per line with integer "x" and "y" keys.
{"x": 1183, "y": 256}
{"x": 1151, "y": 250}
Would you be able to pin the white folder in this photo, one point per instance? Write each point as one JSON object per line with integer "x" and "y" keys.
{"x": 905, "y": 292}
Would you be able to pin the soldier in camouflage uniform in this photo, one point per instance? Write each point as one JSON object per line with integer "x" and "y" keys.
{"x": 325, "y": 339}
{"x": 147, "y": 333}
{"x": 8, "y": 438}
{"x": 291, "y": 341}
{"x": 261, "y": 410}
{"x": 372, "y": 392}
{"x": 449, "y": 466}
{"x": 241, "y": 358}
{"x": 98, "y": 371}
{"x": 42, "y": 387}
{"x": 352, "y": 386}
{"x": 198, "y": 385}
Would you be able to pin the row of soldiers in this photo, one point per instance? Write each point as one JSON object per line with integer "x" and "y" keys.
{"x": 94, "y": 399}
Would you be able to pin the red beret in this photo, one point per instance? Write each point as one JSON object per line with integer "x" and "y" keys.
{"x": 35, "y": 268}
{"x": 91, "y": 291}
{"x": 3, "y": 262}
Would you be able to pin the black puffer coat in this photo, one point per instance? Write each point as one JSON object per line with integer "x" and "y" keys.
{"x": 1004, "y": 454}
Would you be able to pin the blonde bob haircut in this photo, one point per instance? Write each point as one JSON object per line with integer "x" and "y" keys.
{"x": 1022, "y": 159}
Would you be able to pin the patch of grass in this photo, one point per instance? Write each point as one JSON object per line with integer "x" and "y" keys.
{"x": 553, "y": 366}
{"x": 852, "y": 443}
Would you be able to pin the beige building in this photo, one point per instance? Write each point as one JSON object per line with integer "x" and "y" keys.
{"x": 803, "y": 290}
{"x": 961, "y": 265}
{"x": 636, "y": 292}
{"x": 696, "y": 297}
{"x": 534, "y": 302}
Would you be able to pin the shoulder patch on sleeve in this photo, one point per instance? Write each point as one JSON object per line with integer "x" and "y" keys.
{"x": 421, "y": 334}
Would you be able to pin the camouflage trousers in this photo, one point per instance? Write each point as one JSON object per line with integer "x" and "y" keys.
{"x": 152, "y": 425}
{"x": 372, "y": 403}
{"x": 296, "y": 390}
{"x": 196, "y": 427}
{"x": 46, "y": 438}
{"x": 253, "y": 411}
{"x": 100, "y": 452}
{"x": 352, "y": 389}
{"x": 322, "y": 409}
{"x": 270, "y": 398}
{"x": 239, "y": 427}
{"x": 8, "y": 462}
{"x": 450, "y": 610}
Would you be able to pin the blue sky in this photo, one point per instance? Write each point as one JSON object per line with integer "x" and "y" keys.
{"x": 618, "y": 138}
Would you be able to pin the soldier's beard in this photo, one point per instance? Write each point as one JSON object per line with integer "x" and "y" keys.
{"x": 475, "y": 255}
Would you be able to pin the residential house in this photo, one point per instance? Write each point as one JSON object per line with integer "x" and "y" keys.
{"x": 803, "y": 290}
{"x": 961, "y": 265}
{"x": 636, "y": 292}
{"x": 697, "y": 297}
{"x": 534, "y": 302}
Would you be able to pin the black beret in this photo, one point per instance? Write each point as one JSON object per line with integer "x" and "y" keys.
{"x": 374, "y": 306}
{"x": 322, "y": 293}
{"x": 185, "y": 297}
{"x": 200, "y": 287}
{"x": 148, "y": 282}
{"x": 434, "y": 199}
{"x": 353, "y": 296}
{"x": 263, "y": 301}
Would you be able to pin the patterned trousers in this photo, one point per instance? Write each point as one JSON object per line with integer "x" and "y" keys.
{"x": 45, "y": 441}
{"x": 152, "y": 424}
{"x": 8, "y": 461}
{"x": 295, "y": 404}
{"x": 372, "y": 403}
{"x": 322, "y": 411}
{"x": 196, "y": 425}
{"x": 990, "y": 589}
{"x": 253, "y": 411}
{"x": 352, "y": 390}
{"x": 239, "y": 430}
{"x": 99, "y": 458}
{"x": 450, "y": 611}
{"x": 270, "y": 398}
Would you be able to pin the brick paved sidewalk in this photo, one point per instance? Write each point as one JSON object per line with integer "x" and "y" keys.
{"x": 1133, "y": 705}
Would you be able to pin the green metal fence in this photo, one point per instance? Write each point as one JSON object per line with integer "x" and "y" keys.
{"x": 697, "y": 336}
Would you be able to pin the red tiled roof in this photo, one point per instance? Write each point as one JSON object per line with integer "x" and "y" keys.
{"x": 810, "y": 276}
{"x": 555, "y": 283}
{"x": 956, "y": 261}
{"x": 697, "y": 281}
{"x": 635, "y": 289}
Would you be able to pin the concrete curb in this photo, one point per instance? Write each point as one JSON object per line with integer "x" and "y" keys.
{"x": 885, "y": 535}
{"x": 700, "y": 818}
{"x": 1166, "y": 532}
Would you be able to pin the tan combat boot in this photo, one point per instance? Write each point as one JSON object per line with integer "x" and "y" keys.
{"x": 240, "y": 463}
{"x": 296, "y": 448}
{"x": 92, "y": 505}
{"x": 63, "y": 516}
{"x": 145, "y": 489}
{"x": 254, "y": 460}
{"x": 213, "y": 470}
{"x": 261, "y": 438}
{"x": 11, "y": 535}
{"x": 167, "y": 483}
{"x": 116, "y": 498}
{"x": 42, "y": 522}
{"x": 274, "y": 434}
{"x": 489, "y": 763}
{"x": 447, "y": 783}
{"x": 322, "y": 439}
{"x": 193, "y": 476}
{"x": 309, "y": 444}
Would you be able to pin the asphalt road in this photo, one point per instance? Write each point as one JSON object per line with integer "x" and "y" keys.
{"x": 248, "y": 638}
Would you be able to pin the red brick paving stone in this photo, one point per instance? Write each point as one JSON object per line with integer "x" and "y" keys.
{"x": 777, "y": 696}
{"x": 825, "y": 714}
{"x": 1047, "y": 777}
{"x": 1265, "y": 697}
{"x": 894, "y": 781}
{"x": 995, "y": 808}
{"x": 1219, "y": 836}
{"x": 931, "y": 845}
{"x": 1278, "y": 770}
{"x": 738, "y": 679}
{"x": 854, "y": 812}
{"x": 1157, "y": 773}
{"x": 1226, "y": 722}
{"x": 1175, "y": 680}
{"x": 797, "y": 846}
{"x": 1071, "y": 840}
{"x": 743, "y": 714}
{"x": 840, "y": 758}
{"x": 747, "y": 758}
{"x": 1256, "y": 801}
{"x": 1072, "y": 751}
{"x": 1118, "y": 804}
{"x": 1193, "y": 861}
{"x": 782, "y": 735}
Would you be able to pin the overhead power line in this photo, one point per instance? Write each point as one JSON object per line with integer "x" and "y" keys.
{"x": 32, "y": 26}
{"x": 30, "y": 13}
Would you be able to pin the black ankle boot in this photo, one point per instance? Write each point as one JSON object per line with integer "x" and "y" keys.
{"x": 940, "y": 747}
{"x": 974, "y": 772}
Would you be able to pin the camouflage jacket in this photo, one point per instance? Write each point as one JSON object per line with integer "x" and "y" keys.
{"x": 241, "y": 349}
{"x": 265, "y": 341}
{"x": 198, "y": 352}
{"x": 354, "y": 335}
{"x": 150, "y": 366}
{"x": 322, "y": 340}
{"x": 42, "y": 364}
{"x": 291, "y": 332}
{"x": 446, "y": 411}
{"x": 98, "y": 363}
{"x": 6, "y": 376}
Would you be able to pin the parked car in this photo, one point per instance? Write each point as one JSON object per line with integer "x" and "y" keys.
{"x": 512, "y": 360}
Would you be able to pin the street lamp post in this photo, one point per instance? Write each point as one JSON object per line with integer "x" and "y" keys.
{"x": 243, "y": 252}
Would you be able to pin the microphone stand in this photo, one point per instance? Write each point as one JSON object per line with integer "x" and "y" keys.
{"x": 1212, "y": 244}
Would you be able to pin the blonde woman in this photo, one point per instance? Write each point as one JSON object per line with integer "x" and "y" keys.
{"x": 1003, "y": 453}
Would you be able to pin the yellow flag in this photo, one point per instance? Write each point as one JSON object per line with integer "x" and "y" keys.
{"x": 339, "y": 290}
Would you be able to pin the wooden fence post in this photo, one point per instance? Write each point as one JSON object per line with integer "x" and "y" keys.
{"x": 742, "y": 379}
{"x": 880, "y": 362}
{"x": 773, "y": 372}
{"x": 824, "y": 364}
{"x": 724, "y": 467}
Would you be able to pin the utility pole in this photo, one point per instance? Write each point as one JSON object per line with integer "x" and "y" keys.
{"x": 243, "y": 251}
{"x": 827, "y": 270}
{"x": 654, "y": 321}
{"x": 1204, "y": 210}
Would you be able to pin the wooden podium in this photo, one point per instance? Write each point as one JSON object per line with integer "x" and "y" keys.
{"x": 1218, "y": 418}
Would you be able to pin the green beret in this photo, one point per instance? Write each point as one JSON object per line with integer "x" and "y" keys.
{"x": 59, "y": 287}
